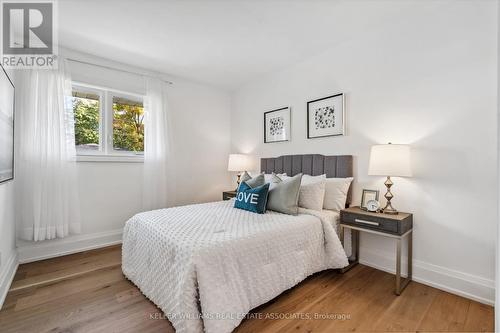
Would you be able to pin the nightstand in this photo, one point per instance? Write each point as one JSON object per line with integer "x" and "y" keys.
{"x": 226, "y": 195}
{"x": 398, "y": 227}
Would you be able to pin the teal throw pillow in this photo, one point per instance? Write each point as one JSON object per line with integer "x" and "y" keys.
{"x": 252, "y": 199}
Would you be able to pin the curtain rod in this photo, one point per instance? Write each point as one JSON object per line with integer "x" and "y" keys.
{"x": 116, "y": 69}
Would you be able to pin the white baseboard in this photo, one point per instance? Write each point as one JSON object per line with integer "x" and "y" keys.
{"x": 459, "y": 283}
{"x": 6, "y": 276}
{"x": 34, "y": 251}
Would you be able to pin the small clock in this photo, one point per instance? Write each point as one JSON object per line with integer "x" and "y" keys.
{"x": 372, "y": 205}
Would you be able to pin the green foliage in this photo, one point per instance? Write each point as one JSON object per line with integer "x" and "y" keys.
{"x": 128, "y": 127}
{"x": 86, "y": 121}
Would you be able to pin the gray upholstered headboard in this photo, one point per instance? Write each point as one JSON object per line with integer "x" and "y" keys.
{"x": 311, "y": 164}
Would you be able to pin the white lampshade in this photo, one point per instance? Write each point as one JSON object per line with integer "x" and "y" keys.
{"x": 239, "y": 162}
{"x": 390, "y": 160}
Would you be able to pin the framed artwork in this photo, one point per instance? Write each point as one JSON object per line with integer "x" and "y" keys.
{"x": 325, "y": 117}
{"x": 6, "y": 127}
{"x": 277, "y": 125}
{"x": 367, "y": 196}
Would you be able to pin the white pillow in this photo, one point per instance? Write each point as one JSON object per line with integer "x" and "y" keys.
{"x": 307, "y": 179}
{"x": 268, "y": 177}
{"x": 312, "y": 192}
{"x": 274, "y": 180}
{"x": 336, "y": 193}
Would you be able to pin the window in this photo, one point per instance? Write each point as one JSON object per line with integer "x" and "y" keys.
{"x": 86, "y": 108}
{"x": 107, "y": 123}
{"x": 128, "y": 125}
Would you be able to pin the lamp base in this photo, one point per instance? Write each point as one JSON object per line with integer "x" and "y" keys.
{"x": 388, "y": 209}
{"x": 238, "y": 182}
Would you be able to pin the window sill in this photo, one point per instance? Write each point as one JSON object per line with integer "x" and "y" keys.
{"x": 111, "y": 158}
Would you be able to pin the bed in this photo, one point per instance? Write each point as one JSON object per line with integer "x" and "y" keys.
{"x": 207, "y": 265}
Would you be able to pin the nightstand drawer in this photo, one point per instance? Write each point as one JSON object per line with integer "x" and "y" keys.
{"x": 393, "y": 224}
{"x": 371, "y": 222}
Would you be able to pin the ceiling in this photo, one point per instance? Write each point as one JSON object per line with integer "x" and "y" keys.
{"x": 224, "y": 43}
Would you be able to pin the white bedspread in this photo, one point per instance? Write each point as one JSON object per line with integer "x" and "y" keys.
{"x": 205, "y": 266}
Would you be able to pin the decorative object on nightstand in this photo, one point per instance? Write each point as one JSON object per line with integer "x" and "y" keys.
{"x": 372, "y": 206}
{"x": 226, "y": 195}
{"x": 239, "y": 163}
{"x": 390, "y": 160}
{"x": 368, "y": 195}
{"x": 398, "y": 227}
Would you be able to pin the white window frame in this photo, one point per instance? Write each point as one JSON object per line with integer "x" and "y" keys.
{"x": 106, "y": 151}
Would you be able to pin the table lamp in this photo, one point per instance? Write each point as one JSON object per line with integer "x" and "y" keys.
{"x": 389, "y": 160}
{"x": 239, "y": 163}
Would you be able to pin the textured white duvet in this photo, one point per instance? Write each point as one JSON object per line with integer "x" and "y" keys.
{"x": 208, "y": 265}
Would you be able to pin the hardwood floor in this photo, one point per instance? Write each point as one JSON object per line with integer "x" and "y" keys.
{"x": 87, "y": 292}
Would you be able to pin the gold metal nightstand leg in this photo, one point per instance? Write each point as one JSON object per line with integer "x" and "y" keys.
{"x": 400, "y": 282}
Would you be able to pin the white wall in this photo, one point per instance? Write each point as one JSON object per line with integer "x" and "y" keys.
{"x": 111, "y": 193}
{"x": 8, "y": 255}
{"x": 428, "y": 79}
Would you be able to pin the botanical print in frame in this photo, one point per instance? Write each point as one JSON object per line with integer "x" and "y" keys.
{"x": 277, "y": 125}
{"x": 6, "y": 127}
{"x": 325, "y": 117}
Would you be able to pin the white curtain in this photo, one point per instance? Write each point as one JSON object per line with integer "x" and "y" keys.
{"x": 156, "y": 145}
{"x": 46, "y": 183}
